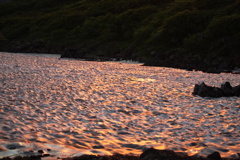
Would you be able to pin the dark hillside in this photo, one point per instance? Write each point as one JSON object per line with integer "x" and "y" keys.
{"x": 190, "y": 34}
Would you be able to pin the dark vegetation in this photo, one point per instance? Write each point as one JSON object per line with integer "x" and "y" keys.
{"x": 190, "y": 34}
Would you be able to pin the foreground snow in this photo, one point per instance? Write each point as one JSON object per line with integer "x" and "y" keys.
{"x": 73, "y": 107}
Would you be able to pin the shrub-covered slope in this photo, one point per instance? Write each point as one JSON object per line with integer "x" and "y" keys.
{"x": 198, "y": 34}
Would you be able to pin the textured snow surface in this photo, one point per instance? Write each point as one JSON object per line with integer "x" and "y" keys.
{"x": 73, "y": 107}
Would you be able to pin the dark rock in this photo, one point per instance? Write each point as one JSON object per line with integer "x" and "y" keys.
{"x": 236, "y": 90}
{"x": 40, "y": 151}
{"x": 38, "y": 157}
{"x": 207, "y": 91}
{"x": 149, "y": 154}
{"x": 214, "y": 156}
{"x": 46, "y": 155}
{"x": 95, "y": 157}
{"x": 153, "y": 154}
{"x": 88, "y": 157}
{"x": 226, "y": 90}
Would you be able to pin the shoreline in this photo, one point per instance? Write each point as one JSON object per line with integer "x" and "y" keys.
{"x": 148, "y": 154}
{"x": 190, "y": 63}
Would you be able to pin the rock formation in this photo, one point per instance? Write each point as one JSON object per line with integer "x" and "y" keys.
{"x": 226, "y": 90}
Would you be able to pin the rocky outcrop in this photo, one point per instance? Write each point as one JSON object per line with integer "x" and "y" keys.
{"x": 154, "y": 154}
{"x": 149, "y": 154}
{"x": 226, "y": 90}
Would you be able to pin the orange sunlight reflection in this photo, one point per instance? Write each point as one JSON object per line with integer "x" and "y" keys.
{"x": 79, "y": 107}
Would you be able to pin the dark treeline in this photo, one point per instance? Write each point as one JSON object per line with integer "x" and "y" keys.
{"x": 191, "y": 34}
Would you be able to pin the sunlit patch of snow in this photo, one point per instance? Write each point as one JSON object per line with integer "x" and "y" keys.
{"x": 77, "y": 107}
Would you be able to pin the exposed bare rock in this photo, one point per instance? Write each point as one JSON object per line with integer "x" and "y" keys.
{"x": 226, "y": 90}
